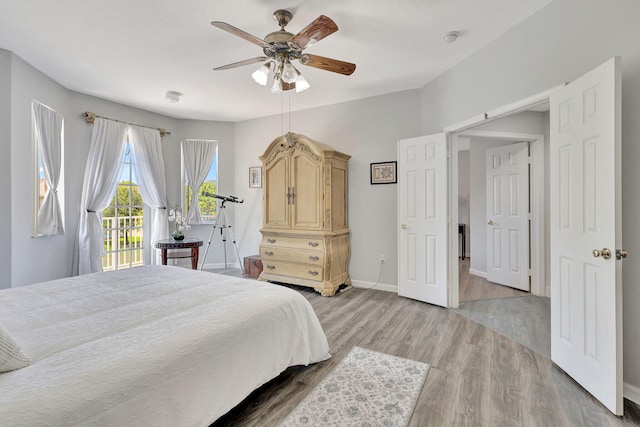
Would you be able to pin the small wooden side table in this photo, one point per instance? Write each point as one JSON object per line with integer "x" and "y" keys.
{"x": 193, "y": 244}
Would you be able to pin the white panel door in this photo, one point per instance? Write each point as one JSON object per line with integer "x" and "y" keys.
{"x": 585, "y": 204}
{"x": 422, "y": 214}
{"x": 507, "y": 184}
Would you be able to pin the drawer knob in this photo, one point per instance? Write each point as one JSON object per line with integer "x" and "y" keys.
{"x": 313, "y": 258}
{"x": 313, "y": 244}
{"x": 313, "y": 273}
{"x": 271, "y": 240}
{"x": 268, "y": 253}
{"x": 271, "y": 267}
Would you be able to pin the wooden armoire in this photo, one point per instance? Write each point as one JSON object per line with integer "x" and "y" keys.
{"x": 305, "y": 233}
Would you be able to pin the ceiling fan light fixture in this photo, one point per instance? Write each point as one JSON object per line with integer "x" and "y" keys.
{"x": 277, "y": 86}
{"x": 301, "y": 83}
{"x": 261, "y": 75}
{"x": 289, "y": 73}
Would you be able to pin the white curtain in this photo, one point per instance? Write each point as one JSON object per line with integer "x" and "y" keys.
{"x": 198, "y": 155}
{"x": 148, "y": 168}
{"x": 48, "y": 132}
{"x": 104, "y": 166}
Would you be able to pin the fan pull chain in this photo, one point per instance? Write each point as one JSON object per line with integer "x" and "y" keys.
{"x": 282, "y": 113}
{"x": 289, "y": 94}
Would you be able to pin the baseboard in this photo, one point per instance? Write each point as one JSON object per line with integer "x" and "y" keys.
{"x": 216, "y": 265}
{"x": 372, "y": 285}
{"x": 631, "y": 392}
{"x": 478, "y": 273}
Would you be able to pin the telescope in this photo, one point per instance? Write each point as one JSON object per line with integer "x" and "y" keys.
{"x": 232, "y": 199}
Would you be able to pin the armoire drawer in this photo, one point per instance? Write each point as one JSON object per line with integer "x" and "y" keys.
{"x": 292, "y": 242}
{"x": 302, "y": 271}
{"x": 291, "y": 255}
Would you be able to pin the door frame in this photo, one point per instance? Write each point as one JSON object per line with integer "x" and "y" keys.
{"x": 537, "y": 237}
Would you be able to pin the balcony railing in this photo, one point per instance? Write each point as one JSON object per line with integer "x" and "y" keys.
{"x": 123, "y": 242}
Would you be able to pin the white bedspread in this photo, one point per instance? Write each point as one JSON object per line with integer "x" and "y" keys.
{"x": 156, "y": 346}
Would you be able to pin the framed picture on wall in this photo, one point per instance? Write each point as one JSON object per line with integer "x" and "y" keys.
{"x": 383, "y": 173}
{"x": 255, "y": 177}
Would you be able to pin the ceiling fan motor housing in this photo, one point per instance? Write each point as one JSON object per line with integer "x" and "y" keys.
{"x": 281, "y": 47}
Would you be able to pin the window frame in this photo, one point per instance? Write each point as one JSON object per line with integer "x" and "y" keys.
{"x": 132, "y": 249}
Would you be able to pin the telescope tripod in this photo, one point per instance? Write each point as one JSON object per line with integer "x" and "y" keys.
{"x": 225, "y": 225}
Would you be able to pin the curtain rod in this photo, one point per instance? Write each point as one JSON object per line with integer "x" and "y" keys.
{"x": 91, "y": 117}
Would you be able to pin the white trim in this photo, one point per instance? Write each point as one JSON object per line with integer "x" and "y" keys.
{"x": 631, "y": 392}
{"x": 466, "y": 124}
{"x": 215, "y": 265}
{"x": 537, "y": 234}
{"x": 453, "y": 288}
{"x": 523, "y": 104}
{"x": 478, "y": 273}
{"x": 372, "y": 285}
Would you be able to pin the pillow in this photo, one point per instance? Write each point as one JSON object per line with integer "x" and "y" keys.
{"x": 11, "y": 356}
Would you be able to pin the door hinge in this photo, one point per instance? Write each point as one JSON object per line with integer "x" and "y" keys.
{"x": 529, "y": 216}
{"x": 529, "y": 159}
{"x": 530, "y": 272}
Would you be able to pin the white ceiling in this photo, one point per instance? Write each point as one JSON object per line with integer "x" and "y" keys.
{"x": 133, "y": 51}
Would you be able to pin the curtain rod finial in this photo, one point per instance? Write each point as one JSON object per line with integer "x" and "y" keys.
{"x": 89, "y": 117}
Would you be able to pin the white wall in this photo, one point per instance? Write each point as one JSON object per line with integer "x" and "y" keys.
{"x": 560, "y": 43}
{"x": 224, "y": 133}
{"x": 366, "y": 129}
{"x": 5, "y": 167}
{"x": 42, "y": 258}
{"x": 31, "y": 260}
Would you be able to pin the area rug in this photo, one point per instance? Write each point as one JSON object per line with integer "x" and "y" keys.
{"x": 366, "y": 388}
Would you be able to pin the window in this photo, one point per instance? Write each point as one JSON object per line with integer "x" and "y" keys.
{"x": 123, "y": 222}
{"x": 195, "y": 157}
{"x": 48, "y": 140}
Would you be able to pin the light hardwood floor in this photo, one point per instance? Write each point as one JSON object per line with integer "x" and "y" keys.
{"x": 477, "y": 377}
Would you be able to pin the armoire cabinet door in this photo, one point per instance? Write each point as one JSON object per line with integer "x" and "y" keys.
{"x": 306, "y": 179}
{"x": 277, "y": 184}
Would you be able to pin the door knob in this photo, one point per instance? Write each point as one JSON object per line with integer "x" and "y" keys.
{"x": 604, "y": 253}
{"x": 404, "y": 226}
{"x": 621, "y": 253}
{"x": 490, "y": 222}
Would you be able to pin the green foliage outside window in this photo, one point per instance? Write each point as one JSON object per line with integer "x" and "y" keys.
{"x": 127, "y": 195}
{"x": 208, "y": 204}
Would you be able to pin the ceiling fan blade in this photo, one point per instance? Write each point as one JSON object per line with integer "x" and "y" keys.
{"x": 241, "y": 63}
{"x": 238, "y": 32}
{"x": 314, "y": 32}
{"x": 328, "y": 64}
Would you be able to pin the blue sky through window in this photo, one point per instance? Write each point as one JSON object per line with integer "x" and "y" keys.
{"x": 213, "y": 172}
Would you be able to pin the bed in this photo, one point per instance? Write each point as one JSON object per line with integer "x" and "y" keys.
{"x": 153, "y": 345}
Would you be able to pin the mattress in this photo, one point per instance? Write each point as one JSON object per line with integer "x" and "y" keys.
{"x": 153, "y": 345}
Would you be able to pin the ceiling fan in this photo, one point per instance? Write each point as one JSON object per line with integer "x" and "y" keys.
{"x": 281, "y": 47}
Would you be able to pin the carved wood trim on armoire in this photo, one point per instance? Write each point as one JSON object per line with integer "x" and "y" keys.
{"x": 305, "y": 233}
